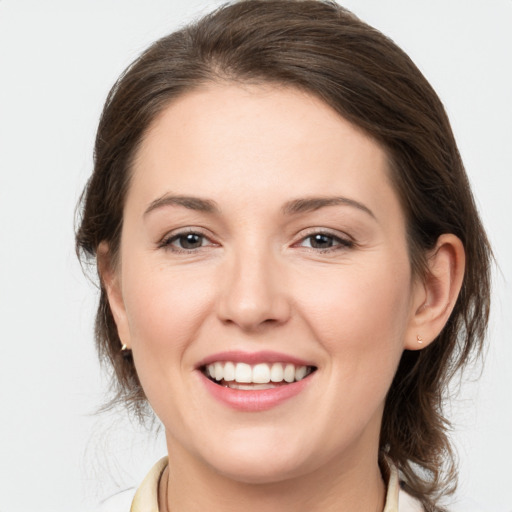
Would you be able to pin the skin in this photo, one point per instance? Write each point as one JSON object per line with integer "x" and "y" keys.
{"x": 257, "y": 283}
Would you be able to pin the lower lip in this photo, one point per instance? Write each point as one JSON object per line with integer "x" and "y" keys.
{"x": 257, "y": 400}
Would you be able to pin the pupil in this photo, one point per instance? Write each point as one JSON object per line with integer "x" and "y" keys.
{"x": 321, "y": 241}
{"x": 191, "y": 241}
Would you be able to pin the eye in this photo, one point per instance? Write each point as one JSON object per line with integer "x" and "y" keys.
{"x": 188, "y": 241}
{"x": 324, "y": 241}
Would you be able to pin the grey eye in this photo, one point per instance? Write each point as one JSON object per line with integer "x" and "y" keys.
{"x": 189, "y": 241}
{"x": 321, "y": 241}
{"x": 325, "y": 241}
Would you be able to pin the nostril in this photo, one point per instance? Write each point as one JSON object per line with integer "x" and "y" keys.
{"x": 253, "y": 297}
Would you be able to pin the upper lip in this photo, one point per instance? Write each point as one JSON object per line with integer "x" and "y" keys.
{"x": 252, "y": 358}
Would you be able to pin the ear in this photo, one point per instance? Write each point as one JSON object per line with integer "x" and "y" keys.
{"x": 111, "y": 281}
{"x": 435, "y": 296}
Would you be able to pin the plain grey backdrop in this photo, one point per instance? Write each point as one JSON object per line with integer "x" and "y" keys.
{"x": 58, "y": 59}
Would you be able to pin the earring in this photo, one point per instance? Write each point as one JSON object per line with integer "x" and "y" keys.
{"x": 419, "y": 339}
{"x": 126, "y": 352}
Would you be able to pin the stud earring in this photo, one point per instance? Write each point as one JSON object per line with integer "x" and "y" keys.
{"x": 126, "y": 352}
{"x": 419, "y": 339}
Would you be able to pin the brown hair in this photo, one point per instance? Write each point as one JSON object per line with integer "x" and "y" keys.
{"x": 319, "y": 47}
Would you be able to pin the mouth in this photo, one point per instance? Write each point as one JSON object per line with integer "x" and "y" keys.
{"x": 261, "y": 376}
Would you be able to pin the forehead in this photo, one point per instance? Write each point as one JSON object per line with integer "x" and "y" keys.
{"x": 257, "y": 142}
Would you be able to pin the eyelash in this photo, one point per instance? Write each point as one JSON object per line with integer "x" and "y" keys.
{"x": 338, "y": 242}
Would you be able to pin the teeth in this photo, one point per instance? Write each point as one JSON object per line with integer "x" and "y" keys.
{"x": 289, "y": 373}
{"x": 243, "y": 373}
{"x": 219, "y": 371}
{"x": 229, "y": 372}
{"x": 250, "y": 387}
{"x": 277, "y": 372}
{"x": 300, "y": 372}
{"x": 260, "y": 374}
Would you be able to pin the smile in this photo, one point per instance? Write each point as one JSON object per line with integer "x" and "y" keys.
{"x": 255, "y": 381}
{"x": 243, "y": 376}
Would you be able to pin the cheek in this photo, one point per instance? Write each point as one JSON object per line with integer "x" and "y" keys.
{"x": 359, "y": 317}
{"x": 361, "y": 311}
{"x": 165, "y": 311}
{"x": 165, "y": 307}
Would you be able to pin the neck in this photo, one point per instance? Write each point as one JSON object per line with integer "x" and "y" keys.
{"x": 352, "y": 485}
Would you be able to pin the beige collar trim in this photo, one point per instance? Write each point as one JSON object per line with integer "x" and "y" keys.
{"x": 393, "y": 490}
{"x": 146, "y": 497}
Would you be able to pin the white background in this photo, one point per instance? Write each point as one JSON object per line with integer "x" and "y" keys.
{"x": 58, "y": 59}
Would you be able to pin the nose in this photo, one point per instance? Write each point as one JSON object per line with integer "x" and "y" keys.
{"x": 253, "y": 292}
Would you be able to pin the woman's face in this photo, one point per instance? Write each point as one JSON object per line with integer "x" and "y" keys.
{"x": 263, "y": 241}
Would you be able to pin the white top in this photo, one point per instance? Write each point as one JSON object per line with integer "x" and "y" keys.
{"x": 145, "y": 499}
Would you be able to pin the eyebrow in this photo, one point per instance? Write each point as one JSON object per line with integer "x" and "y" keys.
{"x": 309, "y": 204}
{"x": 192, "y": 203}
{"x": 293, "y": 207}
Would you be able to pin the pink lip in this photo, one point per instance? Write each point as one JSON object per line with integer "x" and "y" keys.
{"x": 257, "y": 400}
{"x": 252, "y": 358}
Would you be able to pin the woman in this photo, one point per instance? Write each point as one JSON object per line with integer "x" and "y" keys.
{"x": 291, "y": 261}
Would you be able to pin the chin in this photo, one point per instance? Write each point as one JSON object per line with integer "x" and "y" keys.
{"x": 259, "y": 473}
{"x": 259, "y": 462}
